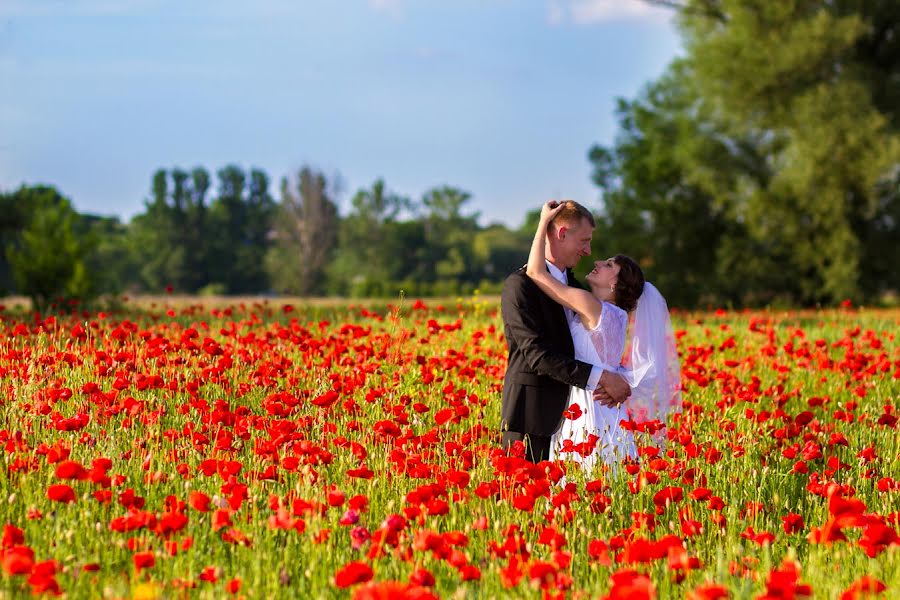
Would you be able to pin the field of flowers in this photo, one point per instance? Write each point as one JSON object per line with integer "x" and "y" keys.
{"x": 260, "y": 450}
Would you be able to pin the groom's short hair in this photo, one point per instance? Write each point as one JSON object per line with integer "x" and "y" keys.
{"x": 572, "y": 214}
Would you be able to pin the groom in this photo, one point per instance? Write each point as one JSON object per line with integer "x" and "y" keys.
{"x": 542, "y": 362}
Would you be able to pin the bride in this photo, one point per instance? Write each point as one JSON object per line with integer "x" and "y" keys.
{"x": 598, "y": 321}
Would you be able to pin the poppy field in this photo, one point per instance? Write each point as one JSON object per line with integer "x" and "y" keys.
{"x": 263, "y": 450}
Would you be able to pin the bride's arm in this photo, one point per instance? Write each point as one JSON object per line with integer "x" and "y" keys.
{"x": 581, "y": 301}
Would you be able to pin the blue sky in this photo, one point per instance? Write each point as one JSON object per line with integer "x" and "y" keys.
{"x": 502, "y": 98}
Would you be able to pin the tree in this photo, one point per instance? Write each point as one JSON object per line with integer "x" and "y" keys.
{"x": 305, "y": 232}
{"x": 825, "y": 95}
{"x": 764, "y": 165}
{"x": 112, "y": 260}
{"x": 369, "y": 256}
{"x": 497, "y": 251}
{"x": 228, "y": 214}
{"x": 659, "y": 206}
{"x": 157, "y": 240}
{"x": 181, "y": 241}
{"x": 257, "y": 227}
{"x": 193, "y": 227}
{"x": 449, "y": 234}
{"x": 13, "y": 217}
{"x": 49, "y": 257}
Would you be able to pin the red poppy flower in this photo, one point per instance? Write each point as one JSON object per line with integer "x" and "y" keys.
{"x": 864, "y": 587}
{"x": 335, "y": 497}
{"x": 362, "y": 472}
{"x": 784, "y": 582}
{"x": 628, "y": 584}
{"x": 61, "y": 492}
{"x": 668, "y": 495}
{"x": 877, "y": 536}
{"x": 573, "y": 412}
{"x": 763, "y": 538}
{"x": 352, "y": 573}
{"x": 221, "y": 519}
{"x": 392, "y": 590}
{"x": 144, "y": 560}
{"x": 512, "y": 573}
{"x": 69, "y": 469}
{"x": 18, "y": 560}
{"x": 708, "y": 591}
{"x": 422, "y": 577}
{"x": 12, "y": 536}
{"x": 199, "y": 501}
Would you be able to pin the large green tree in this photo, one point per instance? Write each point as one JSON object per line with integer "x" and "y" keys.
{"x": 765, "y": 164}
{"x": 670, "y": 184}
{"x": 49, "y": 255}
{"x": 819, "y": 83}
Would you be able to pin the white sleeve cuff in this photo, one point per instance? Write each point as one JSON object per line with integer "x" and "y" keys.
{"x": 593, "y": 379}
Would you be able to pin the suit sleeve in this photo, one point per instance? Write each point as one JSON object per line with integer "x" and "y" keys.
{"x": 519, "y": 310}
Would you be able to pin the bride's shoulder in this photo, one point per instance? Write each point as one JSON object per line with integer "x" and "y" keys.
{"x": 610, "y": 315}
{"x": 611, "y": 309}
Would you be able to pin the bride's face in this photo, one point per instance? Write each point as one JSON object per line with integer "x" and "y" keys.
{"x": 604, "y": 275}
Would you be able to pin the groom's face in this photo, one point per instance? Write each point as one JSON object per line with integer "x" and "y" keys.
{"x": 574, "y": 241}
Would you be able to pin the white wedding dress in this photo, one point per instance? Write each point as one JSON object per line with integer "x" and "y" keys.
{"x": 590, "y": 432}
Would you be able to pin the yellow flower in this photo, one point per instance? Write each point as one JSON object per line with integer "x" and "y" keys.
{"x": 145, "y": 591}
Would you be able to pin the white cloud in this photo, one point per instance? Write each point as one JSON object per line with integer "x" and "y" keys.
{"x": 587, "y": 12}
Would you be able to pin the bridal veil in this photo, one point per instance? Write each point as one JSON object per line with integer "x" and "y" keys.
{"x": 651, "y": 368}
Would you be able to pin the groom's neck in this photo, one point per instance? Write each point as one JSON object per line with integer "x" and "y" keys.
{"x": 555, "y": 262}
{"x": 549, "y": 255}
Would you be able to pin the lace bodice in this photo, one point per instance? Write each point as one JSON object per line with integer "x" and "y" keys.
{"x": 604, "y": 344}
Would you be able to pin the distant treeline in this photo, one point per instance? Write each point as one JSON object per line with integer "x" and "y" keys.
{"x": 763, "y": 167}
{"x": 234, "y": 238}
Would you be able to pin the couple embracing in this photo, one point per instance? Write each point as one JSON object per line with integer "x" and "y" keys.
{"x": 569, "y": 382}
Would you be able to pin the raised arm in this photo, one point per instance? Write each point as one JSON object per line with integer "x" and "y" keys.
{"x": 581, "y": 301}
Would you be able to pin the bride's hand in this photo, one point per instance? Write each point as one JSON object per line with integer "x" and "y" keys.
{"x": 550, "y": 209}
{"x": 613, "y": 390}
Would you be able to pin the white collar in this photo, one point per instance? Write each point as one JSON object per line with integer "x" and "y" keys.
{"x": 557, "y": 273}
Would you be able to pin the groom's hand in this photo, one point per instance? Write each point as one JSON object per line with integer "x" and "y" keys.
{"x": 613, "y": 389}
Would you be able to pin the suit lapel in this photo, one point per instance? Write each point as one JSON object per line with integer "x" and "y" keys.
{"x": 556, "y": 309}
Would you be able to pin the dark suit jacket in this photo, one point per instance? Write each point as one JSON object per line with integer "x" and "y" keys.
{"x": 542, "y": 362}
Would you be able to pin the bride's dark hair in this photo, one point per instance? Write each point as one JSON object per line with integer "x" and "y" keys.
{"x": 629, "y": 283}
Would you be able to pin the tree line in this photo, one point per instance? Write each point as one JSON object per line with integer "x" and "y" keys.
{"x": 762, "y": 167}
{"x": 235, "y": 238}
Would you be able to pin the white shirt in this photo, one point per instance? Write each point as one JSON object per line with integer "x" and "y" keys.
{"x": 572, "y": 319}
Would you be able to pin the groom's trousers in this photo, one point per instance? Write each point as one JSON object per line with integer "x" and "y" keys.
{"x": 537, "y": 447}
